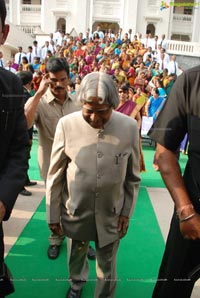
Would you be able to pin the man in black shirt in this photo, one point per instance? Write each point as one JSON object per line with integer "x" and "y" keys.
{"x": 13, "y": 149}
{"x": 180, "y": 267}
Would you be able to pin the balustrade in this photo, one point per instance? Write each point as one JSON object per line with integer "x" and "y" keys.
{"x": 31, "y": 8}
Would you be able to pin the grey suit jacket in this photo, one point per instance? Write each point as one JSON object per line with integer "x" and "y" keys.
{"x": 93, "y": 176}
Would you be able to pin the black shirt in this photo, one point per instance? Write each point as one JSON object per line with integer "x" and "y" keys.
{"x": 181, "y": 115}
{"x": 13, "y": 138}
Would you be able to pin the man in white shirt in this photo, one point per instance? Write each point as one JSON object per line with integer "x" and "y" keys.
{"x": 120, "y": 34}
{"x": 100, "y": 33}
{"x": 36, "y": 49}
{"x": 146, "y": 41}
{"x": 163, "y": 42}
{"x": 52, "y": 46}
{"x": 163, "y": 59}
{"x": 58, "y": 37}
{"x": 130, "y": 33}
{"x": 19, "y": 55}
{"x": 154, "y": 44}
{"x": 173, "y": 66}
{"x": 149, "y": 52}
{"x": 30, "y": 55}
{"x": 44, "y": 50}
{"x": 110, "y": 33}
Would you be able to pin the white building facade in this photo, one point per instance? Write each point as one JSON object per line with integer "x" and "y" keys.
{"x": 178, "y": 19}
{"x": 171, "y": 18}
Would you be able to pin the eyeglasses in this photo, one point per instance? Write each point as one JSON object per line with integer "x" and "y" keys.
{"x": 121, "y": 91}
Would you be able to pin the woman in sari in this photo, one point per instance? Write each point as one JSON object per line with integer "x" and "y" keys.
{"x": 140, "y": 98}
{"x": 153, "y": 108}
{"x": 154, "y": 104}
{"x": 131, "y": 74}
{"x": 129, "y": 108}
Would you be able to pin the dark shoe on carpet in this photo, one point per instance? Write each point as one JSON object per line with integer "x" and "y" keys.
{"x": 53, "y": 251}
{"x": 25, "y": 192}
{"x": 73, "y": 294}
{"x": 6, "y": 281}
{"x": 30, "y": 183}
{"x": 91, "y": 253}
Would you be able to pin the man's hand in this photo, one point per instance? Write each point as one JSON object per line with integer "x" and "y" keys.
{"x": 2, "y": 211}
{"x": 44, "y": 84}
{"x": 56, "y": 228}
{"x": 123, "y": 225}
{"x": 190, "y": 229}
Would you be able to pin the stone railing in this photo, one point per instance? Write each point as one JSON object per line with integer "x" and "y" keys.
{"x": 183, "y": 48}
{"x": 31, "y": 8}
{"x": 182, "y": 18}
{"x": 32, "y": 30}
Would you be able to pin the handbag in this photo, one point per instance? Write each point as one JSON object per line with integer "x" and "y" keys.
{"x": 6, "y": 282}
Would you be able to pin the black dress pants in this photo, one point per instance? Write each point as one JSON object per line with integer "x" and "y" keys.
{"x": 180, "y": 266}
{"x": 1, "y": 260}
{"x": 1, "y": 247}
{"x": 6, "y": 285}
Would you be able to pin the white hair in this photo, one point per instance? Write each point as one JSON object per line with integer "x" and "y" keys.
{"x": 99, "y": 85}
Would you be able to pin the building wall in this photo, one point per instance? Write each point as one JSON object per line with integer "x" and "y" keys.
{"x": 83, "y": 14}
{"x": 130, "y": 17}
{"x": 48, "y": 19}
{"x": 188, "y": 61}
{"x": 149, "y": 13}
{"x": 196, "y": 31}
{"x": 15, "y": 38}
{"x": 79, "y": 16}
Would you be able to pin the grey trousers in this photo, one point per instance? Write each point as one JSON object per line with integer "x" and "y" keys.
{"x": 55, "y": 239}
{"x": 105, "y": 267}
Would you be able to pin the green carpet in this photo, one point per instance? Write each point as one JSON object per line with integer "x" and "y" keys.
{"x": 33, "y": 164}
{"x": 152, "y": 178}
{"x": 138, "y": 260}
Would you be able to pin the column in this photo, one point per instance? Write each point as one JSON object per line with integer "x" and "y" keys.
{"x": 15, "y": 11}
{"x": 196, "y": 17}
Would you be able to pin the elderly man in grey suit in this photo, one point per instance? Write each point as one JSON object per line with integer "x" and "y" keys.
{"x": 93, "y": 180}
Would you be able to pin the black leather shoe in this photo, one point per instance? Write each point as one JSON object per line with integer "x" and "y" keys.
{"x": 73, "y": 294}
{"x": 91, "y": 253}
{"x": 30, "y": 183}
{"x": 6, "y": 283}
{"x": 53, "y": 251}
{"x": 25, "y": 192}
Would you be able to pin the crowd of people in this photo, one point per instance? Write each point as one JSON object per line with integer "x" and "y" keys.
{"x": 136, "y": 61}
{"x": 140, "y": 63}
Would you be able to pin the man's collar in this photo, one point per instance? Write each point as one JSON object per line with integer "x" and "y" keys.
{"x": 50, "y": 97}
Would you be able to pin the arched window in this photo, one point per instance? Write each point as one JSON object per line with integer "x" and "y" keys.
{"x": 151, "y": 29}
{"x": 61, "y": 24}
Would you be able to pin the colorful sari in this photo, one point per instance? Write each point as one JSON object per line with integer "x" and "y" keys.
{"x": 127, "y": 107}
